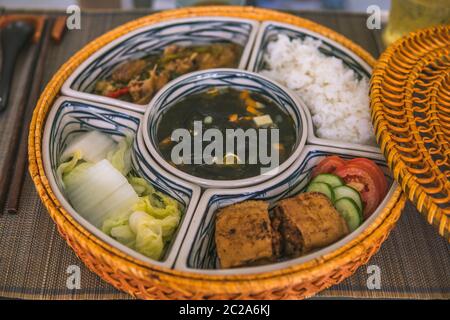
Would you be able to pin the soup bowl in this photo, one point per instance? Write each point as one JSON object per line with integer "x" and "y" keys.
{"x": 202, "y": 81}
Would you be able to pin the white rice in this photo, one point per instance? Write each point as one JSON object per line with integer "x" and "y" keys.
{"x": 337, "y": 100}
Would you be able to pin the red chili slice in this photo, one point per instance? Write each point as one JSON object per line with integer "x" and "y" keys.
{"x": 119, "y": 92}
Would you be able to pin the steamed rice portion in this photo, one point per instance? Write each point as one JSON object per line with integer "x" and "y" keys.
{"x": 337, "y": 100}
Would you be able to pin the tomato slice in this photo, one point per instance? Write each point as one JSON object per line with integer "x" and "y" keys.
{"x": 374, "y": 170}
{"x": 359, "y": 179}
{"x": 328, "y": 165}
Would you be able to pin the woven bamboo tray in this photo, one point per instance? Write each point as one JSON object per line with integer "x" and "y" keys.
{"x": 410, "y": 97}
{"x": 144, "y": 280}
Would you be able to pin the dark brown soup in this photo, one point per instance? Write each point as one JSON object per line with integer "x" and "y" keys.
{"x": 224, "y": 109}
{"x": 138, "y": 80}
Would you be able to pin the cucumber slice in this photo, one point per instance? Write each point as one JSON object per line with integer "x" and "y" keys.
{"x": 322, "y": 188}
{"x": 350, "y": 212}
{"x": 330, "y": 179}
{"x": 348, "y": 192}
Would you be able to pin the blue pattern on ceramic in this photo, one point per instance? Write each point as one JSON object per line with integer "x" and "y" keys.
{"x": 154, "y": 39}
{"x": 216, "y": 78}
{"x": 201, "y": 253}
{"x": 72, "y": 117}
{"x": 153, "y": 173}
{"x": 271, "y": 31}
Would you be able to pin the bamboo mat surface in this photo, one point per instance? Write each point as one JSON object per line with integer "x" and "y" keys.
{"x": 36, "y": 263}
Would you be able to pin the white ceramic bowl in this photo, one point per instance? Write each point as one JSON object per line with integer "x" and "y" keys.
{"x": 231, "y": 78}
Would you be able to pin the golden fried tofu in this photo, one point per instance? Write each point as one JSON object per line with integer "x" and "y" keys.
{"x": 243, "y": 234}
{"x": 308, "y": 221}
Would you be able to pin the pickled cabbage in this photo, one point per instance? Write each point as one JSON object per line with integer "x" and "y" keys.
{"x": 141, "y": 186}
{"x": 93, "y": 146}
{"x": 125, "y": 207}
{"x": 151, "y": 232}
{"x": 99, "y": 191}
{"x": 120, "y": 157}
{"x": 124, "y": 235}
{"x": 158, "y": 205}
{"x": 149, "y": 237}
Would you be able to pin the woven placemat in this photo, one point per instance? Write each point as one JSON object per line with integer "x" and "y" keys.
{"x": 36, "y": 263}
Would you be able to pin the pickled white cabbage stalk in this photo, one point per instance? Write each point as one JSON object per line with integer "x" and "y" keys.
{"x": 97, "y": 181}
{"x": 84, "y": 144}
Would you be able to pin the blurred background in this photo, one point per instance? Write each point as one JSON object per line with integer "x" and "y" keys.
{"x": 398, "y": 17}
{"x": 347, "y": 5}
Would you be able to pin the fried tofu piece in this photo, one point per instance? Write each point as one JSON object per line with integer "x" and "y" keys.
{"x": 306, "y": 222}
{"x": 244, "y": 234}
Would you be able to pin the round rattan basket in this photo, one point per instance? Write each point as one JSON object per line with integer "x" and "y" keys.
{"x": 148, "y": 281}
{"x": 410, "y": 97}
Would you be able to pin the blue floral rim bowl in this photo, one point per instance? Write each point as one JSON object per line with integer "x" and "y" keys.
{"x": 201, "y": 81}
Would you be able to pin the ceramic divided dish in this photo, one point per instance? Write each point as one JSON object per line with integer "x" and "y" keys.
{"x": 192, "y": 248}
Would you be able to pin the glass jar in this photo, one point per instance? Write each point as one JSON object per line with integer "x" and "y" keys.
{"x": 409, "y": 15}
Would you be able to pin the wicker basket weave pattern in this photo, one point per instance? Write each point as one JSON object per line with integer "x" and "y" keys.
{"x": 410, "y": 95}
{"x": 152, "y": 282}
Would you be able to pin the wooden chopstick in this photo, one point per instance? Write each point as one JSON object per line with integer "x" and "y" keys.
{"x": 58, "y": 29}
{"x": 18, "y": 159}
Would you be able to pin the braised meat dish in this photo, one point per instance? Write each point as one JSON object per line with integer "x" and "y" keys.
{"x": 138, "y": 80}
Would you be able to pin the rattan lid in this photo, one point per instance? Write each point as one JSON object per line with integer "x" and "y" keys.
{"x": 410, "y": 98}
